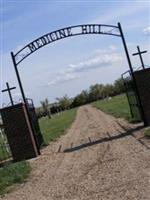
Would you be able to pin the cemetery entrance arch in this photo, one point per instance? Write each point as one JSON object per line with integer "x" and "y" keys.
{"x": 71, "y": 31}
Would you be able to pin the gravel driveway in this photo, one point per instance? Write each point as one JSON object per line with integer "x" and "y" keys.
{"x": 100, "y": 158}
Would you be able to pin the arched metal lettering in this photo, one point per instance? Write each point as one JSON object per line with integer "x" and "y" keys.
{"x": 64, "y": 33}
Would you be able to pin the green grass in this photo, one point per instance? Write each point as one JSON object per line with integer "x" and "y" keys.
{"x": 147, "y": 132}
{"x": 117, "y": 106}
{"x": 3, "y": 152}
{"x": 57, "y": 125}
{"x": 12, "y": 174}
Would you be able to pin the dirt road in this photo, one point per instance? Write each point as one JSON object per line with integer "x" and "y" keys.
{"x": 99, "y": 158}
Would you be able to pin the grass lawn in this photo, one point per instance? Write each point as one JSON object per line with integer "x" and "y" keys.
{"x": 13, "y": 173}
{"x": 4, "y": 154}
{"x": 117, "y": 106}
{"x": 57, "y": 125}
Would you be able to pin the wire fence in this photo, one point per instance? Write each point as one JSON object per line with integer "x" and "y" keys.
{"x": 5, "y": 152}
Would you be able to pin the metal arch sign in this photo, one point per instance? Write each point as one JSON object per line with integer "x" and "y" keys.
{"x": 64, "y": 33}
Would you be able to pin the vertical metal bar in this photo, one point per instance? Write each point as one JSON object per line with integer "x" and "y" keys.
{"x": 132, "y": 74}
{"x": 10, "y": 96}
{"x": 19, "y": 80}
{"x": 125, "y": 48}
{"x": 24, "y": 100}
{"x": 140, "y": 57}
{"x": 127, "y": 95}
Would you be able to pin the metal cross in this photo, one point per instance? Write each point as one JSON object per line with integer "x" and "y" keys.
{"x": 140, "y": 55}
{"x": 8, "y": 89}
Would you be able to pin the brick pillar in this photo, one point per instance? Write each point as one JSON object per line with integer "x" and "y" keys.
{"x": 143, "y": 84}
{"x": 19, "y": 132}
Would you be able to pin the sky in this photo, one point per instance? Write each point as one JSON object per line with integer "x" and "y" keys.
{"x": 69, "y": 65}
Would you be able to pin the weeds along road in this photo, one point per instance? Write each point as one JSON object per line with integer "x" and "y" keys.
{"x": 98, "y": 159}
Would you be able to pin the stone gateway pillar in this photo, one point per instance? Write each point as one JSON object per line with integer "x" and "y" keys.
{"x": 143, "y": 84}
{"x": 19, "y": 132}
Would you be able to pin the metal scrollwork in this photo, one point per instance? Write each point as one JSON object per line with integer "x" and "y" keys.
{"x": 64, "y": 33}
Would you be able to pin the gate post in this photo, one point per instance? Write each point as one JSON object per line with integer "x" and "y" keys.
{"x": 132, "y": 74}
{"x": 24, "y": 99}
{"x": 125, "y": 85}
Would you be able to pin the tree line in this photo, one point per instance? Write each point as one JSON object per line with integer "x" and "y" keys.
{"x": 93, "y": 93}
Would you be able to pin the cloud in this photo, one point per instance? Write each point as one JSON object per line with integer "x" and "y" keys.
{"x": 147, "y": 30}
{"x": 62, "y": 79}
{"x": 98, "y": 59}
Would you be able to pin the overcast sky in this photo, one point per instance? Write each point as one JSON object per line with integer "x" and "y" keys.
{"x": 69, "y": 65}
